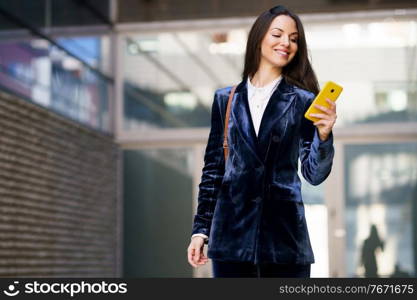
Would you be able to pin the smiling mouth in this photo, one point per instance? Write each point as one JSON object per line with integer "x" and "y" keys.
{"x": 282, "y": 53}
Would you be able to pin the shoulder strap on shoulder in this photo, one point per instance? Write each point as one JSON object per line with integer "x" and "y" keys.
{"x": 226, "y": 122}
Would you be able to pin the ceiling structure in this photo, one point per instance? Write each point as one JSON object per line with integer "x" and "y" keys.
{"x": 130, "y": 11}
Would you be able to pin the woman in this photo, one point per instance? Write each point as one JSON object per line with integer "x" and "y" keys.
{"x": 250, "y": 210}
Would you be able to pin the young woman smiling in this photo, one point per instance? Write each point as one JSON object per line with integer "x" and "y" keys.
{"x": 250, "y": 210}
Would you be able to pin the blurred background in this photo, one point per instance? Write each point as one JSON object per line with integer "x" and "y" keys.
{"x": 105, "y": 114}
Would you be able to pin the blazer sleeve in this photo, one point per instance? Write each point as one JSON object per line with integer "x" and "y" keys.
{"x": 316, "y": 155}
{"x": 212, "y": 174}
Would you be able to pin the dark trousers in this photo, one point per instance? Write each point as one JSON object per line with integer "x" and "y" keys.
{"x": 222, "y": 269}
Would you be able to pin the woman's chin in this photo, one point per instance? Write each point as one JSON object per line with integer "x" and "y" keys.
{"x": 278, "y": 62}
{"x": 281, "y": 64}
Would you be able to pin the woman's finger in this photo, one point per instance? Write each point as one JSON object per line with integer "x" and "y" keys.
{"x": 203, "y": 258}
{"x": 202, "y": 261}
{"x": 190, "y": 257}
{"x": 322, "y": 116}
{"x": 323, "y": 108}
{"x": 196, "y": 255}
{"x": 322, "y": 122}
{"x": 332, "y": 104}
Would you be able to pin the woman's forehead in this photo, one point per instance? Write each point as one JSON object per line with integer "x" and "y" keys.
{"x": 284, "y": 23}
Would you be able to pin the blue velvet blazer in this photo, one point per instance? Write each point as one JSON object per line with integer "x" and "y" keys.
{"x": 251, "y": 207}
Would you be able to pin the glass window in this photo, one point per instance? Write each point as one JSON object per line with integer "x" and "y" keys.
{"x": 375, "y": 61}
{"x": 93, "y": 50}
{"x": 158, "y": 195}
{"x": 381, "y": 210}
{"x": 170, "y": 78}
{"x": 40, "y": 72}
{"x": 57, "y": 13}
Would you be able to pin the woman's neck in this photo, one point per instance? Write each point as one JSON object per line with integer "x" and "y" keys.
{"x": 265, "y": 75}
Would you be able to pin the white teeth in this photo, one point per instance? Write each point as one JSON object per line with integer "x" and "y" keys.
{"x": 284, "y": 53}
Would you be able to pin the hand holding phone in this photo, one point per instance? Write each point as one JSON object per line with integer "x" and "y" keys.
{"x": 331, "y": 91}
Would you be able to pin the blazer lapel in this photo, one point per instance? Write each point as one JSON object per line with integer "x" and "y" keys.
{"x": 276, "y": 108}
{"x": 243, "y": 119}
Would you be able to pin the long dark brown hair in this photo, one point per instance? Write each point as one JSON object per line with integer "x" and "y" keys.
{"x": 299, "y": 71}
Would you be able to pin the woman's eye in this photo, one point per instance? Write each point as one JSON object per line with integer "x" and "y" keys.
{"x": 293, "y": 40}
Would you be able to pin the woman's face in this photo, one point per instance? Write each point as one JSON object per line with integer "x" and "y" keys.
{"x": 279, "y": 45}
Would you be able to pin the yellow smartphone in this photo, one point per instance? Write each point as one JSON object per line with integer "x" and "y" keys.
{"x": 330, "y": 90}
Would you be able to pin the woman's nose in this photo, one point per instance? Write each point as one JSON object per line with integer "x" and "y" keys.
{"x": 285, "y": 41}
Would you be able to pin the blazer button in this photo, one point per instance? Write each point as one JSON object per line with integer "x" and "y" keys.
{"x": 275, "y": 138}
{"x": 260, "y": 169}
{"x": 257, "y": 199}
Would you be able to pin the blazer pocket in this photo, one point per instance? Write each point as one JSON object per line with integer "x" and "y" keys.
{"x": 279, "y": 193}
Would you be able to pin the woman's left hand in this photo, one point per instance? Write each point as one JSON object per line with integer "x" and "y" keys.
{"x": 327, "y": 119}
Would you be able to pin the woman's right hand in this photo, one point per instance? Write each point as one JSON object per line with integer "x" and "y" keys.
{"x": 195, "y": 252}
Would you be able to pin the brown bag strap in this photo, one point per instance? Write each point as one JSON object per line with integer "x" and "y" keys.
{"x": 226, "y": 123}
